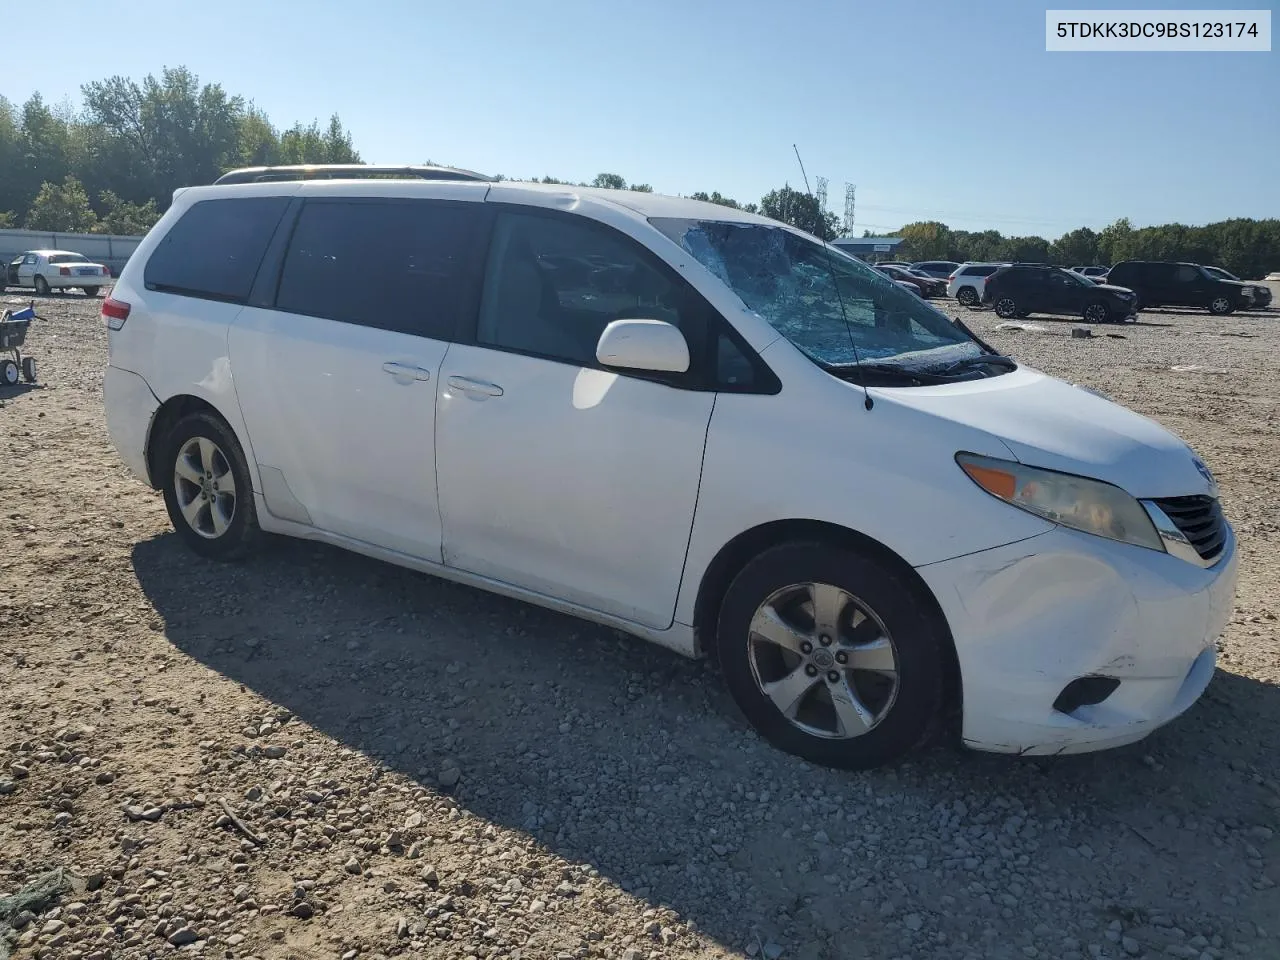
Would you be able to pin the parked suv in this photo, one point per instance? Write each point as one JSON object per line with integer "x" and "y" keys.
{"x": 1026, "y": 288}
{"x": 1260, "y": 292}
{"x": 1161, "y": 283}
{"x": 684, "y": 421}
{"x": 968, "y": 281}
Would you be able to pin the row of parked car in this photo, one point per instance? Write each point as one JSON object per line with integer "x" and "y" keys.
{"x": 1098, "y": 294}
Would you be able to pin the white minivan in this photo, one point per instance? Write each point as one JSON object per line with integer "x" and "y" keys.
{"x": 691, "y": 423}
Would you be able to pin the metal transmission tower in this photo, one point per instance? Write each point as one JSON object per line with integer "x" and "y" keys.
{"x": 821, "y": 194}
{"x": 848, "y": 209}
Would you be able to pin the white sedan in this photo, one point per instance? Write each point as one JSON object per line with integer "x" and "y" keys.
{"x": 48, "y": 270}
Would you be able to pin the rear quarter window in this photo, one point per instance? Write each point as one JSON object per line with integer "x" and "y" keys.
{"x": 215, "y": 248}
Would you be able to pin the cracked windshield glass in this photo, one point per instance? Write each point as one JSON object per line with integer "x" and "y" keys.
{"x": 787, "y": 279}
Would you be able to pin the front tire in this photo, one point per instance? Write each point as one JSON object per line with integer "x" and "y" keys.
{"x": 1220, "y": 306}
{"x": 1097, "y": 313}
{"x": 29, "y": 369}
{"x": 8, "y": 372}
{"x": 207, "y": 488}
{"x": 42, "y": 286}
{"x": 967, "y": 296}
{"x": 1006, "y": 308}
{"x": 830, "y": 656}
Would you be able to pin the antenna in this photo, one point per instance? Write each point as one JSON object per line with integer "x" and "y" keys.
{"x": 849, "y": 189}
{"x": 831, "y": 272}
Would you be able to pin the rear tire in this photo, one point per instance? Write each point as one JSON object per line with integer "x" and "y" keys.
{"x": 91, "y": 291}
{"x": 8, "y": 372}
{"x": 830, "y": 656}
{"x": 1006, "y": 307}
{"x": 967, "y": 296}
{"x": 42, "y": 286}
{"x": 1221, "y": 306}
{"x": 207, "y": 487}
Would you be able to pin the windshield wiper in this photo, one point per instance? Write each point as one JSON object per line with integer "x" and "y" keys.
{"x": 887, "y": 374}
{"x": 986, "y": 359}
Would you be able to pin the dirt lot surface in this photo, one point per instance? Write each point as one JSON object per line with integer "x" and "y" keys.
{"x": 417, "y": 768}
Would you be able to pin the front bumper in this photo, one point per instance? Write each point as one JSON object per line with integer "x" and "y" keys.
{"x": 130, "y": 407}
{"x": 1030, "y": 617}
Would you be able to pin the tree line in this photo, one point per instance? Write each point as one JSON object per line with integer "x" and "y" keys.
{"x": 112, "y": 165}
{"x": 1248, "y": 248}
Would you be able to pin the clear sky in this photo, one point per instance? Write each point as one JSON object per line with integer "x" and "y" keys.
{"x": 935, "y": 109}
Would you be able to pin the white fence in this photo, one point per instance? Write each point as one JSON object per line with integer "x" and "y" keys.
{"x": 112, "y": 251}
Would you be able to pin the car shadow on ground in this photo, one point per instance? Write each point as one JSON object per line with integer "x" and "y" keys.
{"x": 15, "y": 390}
{"x": 618, "y": 753}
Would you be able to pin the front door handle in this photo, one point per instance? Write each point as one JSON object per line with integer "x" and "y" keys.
{"x": 477, "y": 388}
{"x": 406, "y": 371}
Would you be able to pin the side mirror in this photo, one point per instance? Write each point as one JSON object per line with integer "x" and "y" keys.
{"x": 652, "y": 345}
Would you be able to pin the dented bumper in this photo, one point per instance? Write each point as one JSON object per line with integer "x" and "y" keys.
{"x": 1031, "y": 617}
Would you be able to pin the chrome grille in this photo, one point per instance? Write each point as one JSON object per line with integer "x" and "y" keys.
{"x": 1200, "y": 520}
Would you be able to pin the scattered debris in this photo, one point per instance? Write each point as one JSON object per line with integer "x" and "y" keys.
{"x": 1118, "y": 336}
{"x": 1081, "y": 333}
{"x": 1022, "y": 325}
{"x": 37, "y": 896}
{"x": 1194, "y": 368}
{"x": 239, "y": 824}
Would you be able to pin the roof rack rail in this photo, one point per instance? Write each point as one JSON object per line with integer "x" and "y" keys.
{"x": 345, "y": 171}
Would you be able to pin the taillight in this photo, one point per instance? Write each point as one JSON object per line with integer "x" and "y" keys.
{"x": 950, "y": 278}
{"x": 64, "y": 271}
{"x": 115, "y": 312}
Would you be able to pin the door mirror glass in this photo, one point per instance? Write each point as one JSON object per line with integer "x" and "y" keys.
{"x": 652, "y": 345}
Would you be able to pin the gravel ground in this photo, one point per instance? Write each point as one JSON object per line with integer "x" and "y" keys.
{"x": 317, "y": 755}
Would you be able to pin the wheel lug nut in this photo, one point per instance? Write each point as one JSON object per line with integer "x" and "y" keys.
{"x": 833, "y": 677}
{"x": 842, "y": 657}
{"x": 811, "y": 670}
{"x": 824, "y": 640}
{"x": 806, "y": 647}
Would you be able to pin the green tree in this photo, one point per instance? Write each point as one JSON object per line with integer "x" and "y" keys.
{"x": 925, "y": 240}
{"x": 801, "y": 210}
{"x": 1079, "y": 247}
{"x": 641, "y": 188}
{"x": 126, "y": 219}
{"x": 61, "y": 208}
{"x": 610, "y": 181}
{"x": 1115, "y": 241}
{"x": 715, "y": 197}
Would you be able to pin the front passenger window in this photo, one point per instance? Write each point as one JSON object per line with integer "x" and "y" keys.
{"x": 1187, "y": 274}
{"x": 553, "y": 285}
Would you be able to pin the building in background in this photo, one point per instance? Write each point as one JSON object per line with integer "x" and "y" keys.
{"x": 871, "y": 249}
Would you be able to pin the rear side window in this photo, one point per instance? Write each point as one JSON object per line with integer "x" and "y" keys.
{"x": 1187, "y": 273}
{"x": 214, "y": 249}
{"x": 404, "y": 265}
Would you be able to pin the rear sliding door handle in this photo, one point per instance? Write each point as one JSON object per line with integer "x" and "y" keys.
{"x": 477, "y": 388}
{"x": 406, "y": 371}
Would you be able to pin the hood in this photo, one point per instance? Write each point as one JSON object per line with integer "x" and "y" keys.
{"x": 1045, "y": 422}
{"x": 1113, "y": 288}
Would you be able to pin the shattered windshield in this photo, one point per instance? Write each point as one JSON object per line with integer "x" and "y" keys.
{"x": 787, "y": 278}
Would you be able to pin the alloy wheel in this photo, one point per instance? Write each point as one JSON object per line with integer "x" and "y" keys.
{"x": 824, "y": 659}
{"x": 205, "y": 487}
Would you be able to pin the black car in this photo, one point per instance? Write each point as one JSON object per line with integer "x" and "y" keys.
{"x": 1026, "y": 288}
{"x": 1164, "y": 283}
{"x": 1261, "y": 292}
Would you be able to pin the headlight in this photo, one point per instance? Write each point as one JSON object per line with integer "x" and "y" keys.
{"x": 1087, "y": 505}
